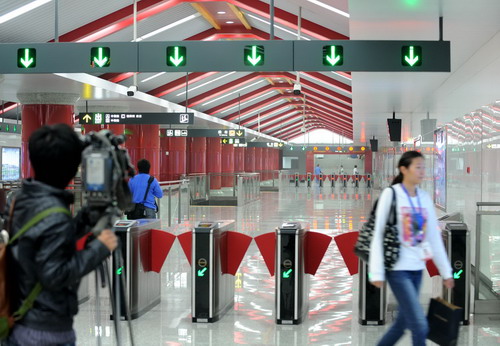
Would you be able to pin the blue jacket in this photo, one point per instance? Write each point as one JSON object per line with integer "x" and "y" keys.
{"x": 138, "y": 186}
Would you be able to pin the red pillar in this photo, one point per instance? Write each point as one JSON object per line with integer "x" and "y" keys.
{"x": 250, "y": 160}
{"x": 197, "y": 155}
{"x": 143, "y": 142}
{"x": 35, "y": 116}
{"x": 309, "y": 162}
{"x": 164, "y": 158}
{"x": 239, "y": 159}
{"x": 227, "y": 165}
{"x": 368, "y": 162}
{"x": 176, "y": 158}
{"x": 258, "y": 161}
{"x": 214, "y": 150}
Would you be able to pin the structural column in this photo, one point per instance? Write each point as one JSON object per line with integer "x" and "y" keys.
{"x": 239, "y": 159}
{"x": 227, "y": 165}
{"x": 214, "y": 151}
{"x": 176, "y": 158}
{"x": 197, "y": 155}
{"x": 143, "y": 142}
{"x": 258, "y": 161}
{"x": 40, "y": 109}
{"x": 250, "y": 160}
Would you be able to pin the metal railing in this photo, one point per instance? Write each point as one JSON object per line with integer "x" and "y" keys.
{"x": 174, "y": 206}
{"x": 248, "y": 188}
{"x": 487, "y": 259}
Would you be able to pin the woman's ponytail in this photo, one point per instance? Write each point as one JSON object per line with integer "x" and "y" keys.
{"x": 398, "y": 179}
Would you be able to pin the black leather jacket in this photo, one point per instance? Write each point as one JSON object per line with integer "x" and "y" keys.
{"x": 47, "y": 254}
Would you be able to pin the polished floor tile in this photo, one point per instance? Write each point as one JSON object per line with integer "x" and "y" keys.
{"x": 332, "y": 318}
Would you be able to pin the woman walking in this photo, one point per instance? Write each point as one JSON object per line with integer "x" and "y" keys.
{"x": 420, "y": 240}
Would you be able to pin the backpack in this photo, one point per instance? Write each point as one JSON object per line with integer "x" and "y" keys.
{"x": 7, "y": 318}
{"x": 139, "y": 210}
{"x": 391, "y": 236}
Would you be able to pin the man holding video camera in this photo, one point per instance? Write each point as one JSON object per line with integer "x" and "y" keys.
{"x": 46, "y": 253}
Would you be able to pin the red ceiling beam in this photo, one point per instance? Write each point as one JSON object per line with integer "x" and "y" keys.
{"x": 335, "y": 105}
{"x": 267, "y": 112}
{"x": 253, "y": 108}
{"x": 210, "y": 34}
{"x": 179, "y": 83}
{"x": 271, "y": 120}
{"x": 290, "y": 20}
{"x": 282, "y": 132}
{"x": 117, "y": 21}
{"x": 332, "y": 115}
{"x": 328, "y": 80}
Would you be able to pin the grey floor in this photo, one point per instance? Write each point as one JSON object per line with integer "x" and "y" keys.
{"x": 332, "y": 319}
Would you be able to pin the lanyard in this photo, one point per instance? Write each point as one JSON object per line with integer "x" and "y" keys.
{"x": 418, "y": 221}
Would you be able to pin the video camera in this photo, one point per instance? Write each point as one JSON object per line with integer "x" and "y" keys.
{"x": 106, "y": 168}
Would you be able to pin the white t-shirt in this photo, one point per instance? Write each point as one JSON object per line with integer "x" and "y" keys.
{"x": 411, "y": 250}
{"x": 355, "y": 171}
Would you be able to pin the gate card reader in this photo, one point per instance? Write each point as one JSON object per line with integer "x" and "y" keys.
{"x": 215, "y": 253}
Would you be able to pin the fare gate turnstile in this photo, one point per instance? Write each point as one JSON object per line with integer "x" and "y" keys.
{"x": 456, "y": 237}
{"x": 292, "y": 283}
{"x": 372, "y": 300}
{"x": 143, "y": 289}
{"x": 212, "y": 291}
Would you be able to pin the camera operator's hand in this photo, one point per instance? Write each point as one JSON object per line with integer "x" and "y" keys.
{"x": 109, "y": 239}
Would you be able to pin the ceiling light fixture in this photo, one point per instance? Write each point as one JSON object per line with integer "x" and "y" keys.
{"x": 278, "y": 27}
{"x": 331, "y": 8}
{"x": 152, "y": 77}
{"x": 167, "y": 27}
{"x": 231, "y": 93}
{"x": 221, "y": 12}
{"x": 22, "y": 10}
{"x": 206, "y": 83}
{"x": 229, "y": 22}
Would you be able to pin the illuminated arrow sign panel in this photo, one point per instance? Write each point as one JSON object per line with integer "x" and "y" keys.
{"x": 333, "y": 55}
{"x": 26, "y": 58}
{"x": 287, "y": 273}
{"x": 222, "y": 133}
{"x": 100, "y": 57}
{"x": 176, "y": 56}
{"x": 254, "y": 55}
{"x": 136, "y": 118}
{"x": 10, "y": 128}
{"x": 411, "y": 56}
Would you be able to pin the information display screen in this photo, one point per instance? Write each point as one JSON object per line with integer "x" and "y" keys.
{"x": 11, "y": 167}
{"x": 440, "y": 168}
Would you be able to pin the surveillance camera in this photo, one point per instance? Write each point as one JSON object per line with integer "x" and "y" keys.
{"x": 303, "y": 129}
{"x": 132, "y": 90}
{"x": 297, "y": 88}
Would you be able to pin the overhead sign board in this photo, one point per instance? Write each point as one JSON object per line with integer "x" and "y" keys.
{"x": 136, "y": 118}
{"x": 206, "y": 56}
{"x": 10, "y": 128}
{"x": 276, "y": 145}
{"x": 235, "y": 141}
{"x": 372, "y": 56}
{"x": 223, "y": 133}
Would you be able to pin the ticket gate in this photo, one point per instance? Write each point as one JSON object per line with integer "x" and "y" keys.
{"x": 372, "y": 300}
{"x": 332, "y": 180}
{"x": 212, "y": 290}
{"x": 456, "y": 238}
{"x": 344, "y": 180}
{"x": 143, "y": 287}
{"x": 321, "y": 177}
{"x": 368, "y": 181}
{"x": 297, "y": 179}
{"x": 309, "y": 178}
{"x": 292, "y": 283}
{"x": 356, "y": 180}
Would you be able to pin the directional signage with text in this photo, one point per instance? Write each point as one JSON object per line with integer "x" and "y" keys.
{"x": 233, "y": 140}
{"x": 100, "y": 57}
{"x": 26, "y": 58}
{"x": 176, "y": 56}
{"x": 277, "y": 145}
{"x": 136, "y": 118}
{"x": 206, "y": 56}
{"x": 223, "y": 133}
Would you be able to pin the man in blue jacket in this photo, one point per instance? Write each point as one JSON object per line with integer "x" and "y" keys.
{"x": 138, "y": 186}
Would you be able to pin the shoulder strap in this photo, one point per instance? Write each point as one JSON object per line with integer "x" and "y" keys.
{"x": 27, "y": 303}
{"x": 150, "y": 181}
{"x": 36, "y": 219}
{"x": 393, "y": 212}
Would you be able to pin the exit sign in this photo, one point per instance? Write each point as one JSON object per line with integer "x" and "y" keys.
{"x": 26, "y": 58}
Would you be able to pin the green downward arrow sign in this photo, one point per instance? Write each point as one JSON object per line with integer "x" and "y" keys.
{"x": 176, "y": 59}
{"x": 27, "y": 60}
{"x": 286, "y": 274}
{"x": 412, "y": 56}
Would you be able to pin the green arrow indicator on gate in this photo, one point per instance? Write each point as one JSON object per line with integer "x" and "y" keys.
{"x": 176, "y": 56}
{"x": 254, "y": 55}
{"x": 201, "y": 272}
{"x": 100, "y": 57}
{"x": 457, "y": 274}
{"x": 26, "y": 58}
{"x": 333, "y": 55}
{"x": 286, "y": 274}
{"x": 119, "y": 271}
{"x": 412, "y": 56}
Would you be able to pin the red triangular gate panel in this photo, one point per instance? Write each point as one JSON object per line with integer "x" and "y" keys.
{"x": 161, "y": 243}
{"x": 316, "y": 245}
{"x": 346, "y": 243}
{"x": 237, "y": 246}
{"x": 186, "y": 240}
{"x": 267, "y": 247}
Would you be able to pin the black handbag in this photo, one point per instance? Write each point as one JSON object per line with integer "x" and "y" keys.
{"x": 444, "y": 322}
{"x": 139, "y": 210}
{"x": 391, "y": 236}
